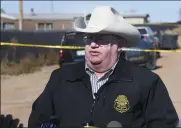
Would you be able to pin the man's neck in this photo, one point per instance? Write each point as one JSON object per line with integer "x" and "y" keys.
{"x": 99, "y": 75}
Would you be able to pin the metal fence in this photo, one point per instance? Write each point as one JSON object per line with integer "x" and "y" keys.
{"x": 54, "y": 38}
{"x": 25, "y": 37}
{"x": 169, "y": 41}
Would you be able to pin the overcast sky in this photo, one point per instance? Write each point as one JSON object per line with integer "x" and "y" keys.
{"x": 159, "y": 11}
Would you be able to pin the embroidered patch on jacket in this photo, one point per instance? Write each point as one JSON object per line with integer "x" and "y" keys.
{"x": 121, "y": 104}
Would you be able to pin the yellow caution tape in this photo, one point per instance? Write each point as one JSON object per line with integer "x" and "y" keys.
{"x": 150, "y": 50}
{"x": 42, "y": 46}
{"x": 79, "y": 47}
{"x": 163, "y": 24}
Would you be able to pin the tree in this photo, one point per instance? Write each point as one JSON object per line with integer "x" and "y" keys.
{"x": 2, "y": 10}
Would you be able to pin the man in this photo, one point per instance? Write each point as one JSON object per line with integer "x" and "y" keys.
{"x": 105, "y": 87}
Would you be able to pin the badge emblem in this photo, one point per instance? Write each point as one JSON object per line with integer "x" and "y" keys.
{"x": 121, "y": 104}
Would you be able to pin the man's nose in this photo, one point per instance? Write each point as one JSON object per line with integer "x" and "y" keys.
{"x": 93, "y": 44}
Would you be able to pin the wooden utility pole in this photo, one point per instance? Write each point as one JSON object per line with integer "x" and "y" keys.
{"x": 20, "y": 14}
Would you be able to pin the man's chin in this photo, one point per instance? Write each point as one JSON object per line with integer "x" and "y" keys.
{"x": 95, "y": 62}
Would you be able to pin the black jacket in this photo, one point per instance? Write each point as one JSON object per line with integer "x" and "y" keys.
{"x": 133, "y": 96}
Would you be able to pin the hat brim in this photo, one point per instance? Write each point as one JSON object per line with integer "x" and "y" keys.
{"x": 120, "y": 28}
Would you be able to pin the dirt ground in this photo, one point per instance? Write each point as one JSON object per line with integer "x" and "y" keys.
{"x": 19, "y": 92}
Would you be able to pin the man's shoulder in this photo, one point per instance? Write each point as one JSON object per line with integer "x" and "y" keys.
{"x": 141, "y": 73}
{"x": 72, "y": 68}
{"x": 143, "y": 78}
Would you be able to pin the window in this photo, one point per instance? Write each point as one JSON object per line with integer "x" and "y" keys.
{"x": 142, "y": 31}
{"x": 44, "y": 26}
{"x": 41, "y": 26}
{"x": 73, "y": 39}
{"x": 150, "y": 31}
{"x": 8, "y": 26}
{"x": 48, "y": 26}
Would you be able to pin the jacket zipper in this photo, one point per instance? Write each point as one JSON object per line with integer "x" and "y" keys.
{"x": 98, "y": 92}
{"x": 93, "y": 107}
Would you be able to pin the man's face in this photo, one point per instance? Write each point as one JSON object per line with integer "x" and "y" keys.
{"x": 102, "y": 48}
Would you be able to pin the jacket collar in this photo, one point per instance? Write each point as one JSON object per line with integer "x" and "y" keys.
{"x": 77, "y": 71}
{"x": 121, "y": 72}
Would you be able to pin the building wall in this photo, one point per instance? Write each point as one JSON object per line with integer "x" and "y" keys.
{"x": 8, "y": 21}
{"x": 62, "y": 24}
{"x": 57, "y": 24}
{"x": 5, "y": 20}
{"x": 135, "y": 20}
{"x": 31, "y": 24}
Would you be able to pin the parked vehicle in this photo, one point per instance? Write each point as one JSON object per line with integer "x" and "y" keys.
{"x": 148, "y": 35}
{"x": 146, "y": 59}
{"x": 71, "y": 38}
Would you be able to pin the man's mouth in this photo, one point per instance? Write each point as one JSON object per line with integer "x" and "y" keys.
{"x": 94, "y": 53}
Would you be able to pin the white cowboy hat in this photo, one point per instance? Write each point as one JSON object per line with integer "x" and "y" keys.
{"x": 106, "y": 20}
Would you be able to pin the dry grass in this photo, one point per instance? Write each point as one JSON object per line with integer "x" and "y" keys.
{"x": 51, "y": 58}
{"x": 28, "y": 64}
